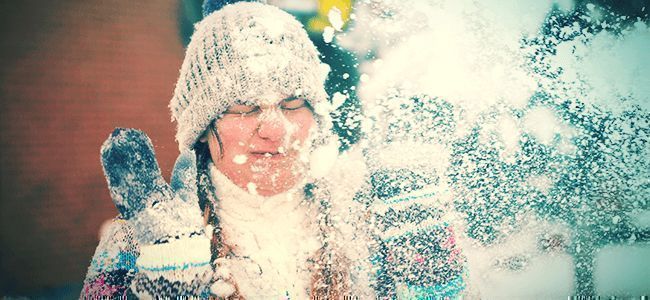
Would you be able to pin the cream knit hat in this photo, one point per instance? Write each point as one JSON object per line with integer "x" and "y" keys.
{"x": 238, "y": 53}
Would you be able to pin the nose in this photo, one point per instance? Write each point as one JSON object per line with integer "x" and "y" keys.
{"x": 271, "y": 128}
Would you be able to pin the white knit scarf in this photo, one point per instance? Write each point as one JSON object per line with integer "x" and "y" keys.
{"x": 272, "y": 239}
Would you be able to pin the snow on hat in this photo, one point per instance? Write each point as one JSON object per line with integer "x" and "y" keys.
{"x": 238, "y": 53}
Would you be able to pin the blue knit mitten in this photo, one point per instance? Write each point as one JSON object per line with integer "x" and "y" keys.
{"x": 175, "y": 254}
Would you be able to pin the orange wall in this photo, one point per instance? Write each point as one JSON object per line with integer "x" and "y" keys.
{"x": 69, "y": 73}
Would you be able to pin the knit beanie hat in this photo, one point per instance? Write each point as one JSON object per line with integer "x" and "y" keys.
{"x": 238, "y": 53}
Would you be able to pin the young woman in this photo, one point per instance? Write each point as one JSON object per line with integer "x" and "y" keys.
{"x": 245, "y": 106}
{"x": 246, "y": 214}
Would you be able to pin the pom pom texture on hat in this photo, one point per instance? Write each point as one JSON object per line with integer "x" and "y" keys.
{"x": 238, "y": 54}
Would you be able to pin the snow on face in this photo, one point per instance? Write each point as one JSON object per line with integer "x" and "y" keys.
{"x": 263, "y": 148}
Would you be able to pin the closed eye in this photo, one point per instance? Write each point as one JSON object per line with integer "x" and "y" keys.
{"x": 242, "y": 109}
{"x": 293, "y": 103}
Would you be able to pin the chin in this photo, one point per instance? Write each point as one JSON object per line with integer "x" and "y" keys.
{"x": 278, "y": 181}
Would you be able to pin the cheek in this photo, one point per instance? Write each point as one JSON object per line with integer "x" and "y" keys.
{"x": 304, "y": 121}
{"x": 235, "y": 134}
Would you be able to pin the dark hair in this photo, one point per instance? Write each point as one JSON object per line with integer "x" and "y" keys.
{"x": 205, "y": 191}
{"x": 203, "y": 158}
{"x": 213, "y": 129}
{"x": 202, "y": 150}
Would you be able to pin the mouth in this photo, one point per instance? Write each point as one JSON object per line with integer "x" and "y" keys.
{"x": 267, "y": 154}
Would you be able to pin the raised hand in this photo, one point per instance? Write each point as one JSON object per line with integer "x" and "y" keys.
{"x": 175, "y": 253}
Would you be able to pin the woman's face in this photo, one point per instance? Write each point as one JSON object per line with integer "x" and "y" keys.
{"x": 264, "y": 146}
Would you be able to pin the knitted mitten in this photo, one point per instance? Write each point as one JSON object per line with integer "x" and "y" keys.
{"x": 175, "y": 254}
{"x": 415, "y": 252}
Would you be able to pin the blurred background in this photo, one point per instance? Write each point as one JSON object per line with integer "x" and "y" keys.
{"x": 71, "y": 71}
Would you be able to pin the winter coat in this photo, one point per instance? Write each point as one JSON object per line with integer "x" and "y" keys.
{"x": 410, "y": 252}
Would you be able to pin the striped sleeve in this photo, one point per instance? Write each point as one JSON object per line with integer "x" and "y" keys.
{"x": 121, "y": 268}
{"x": 113, "y": 265}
